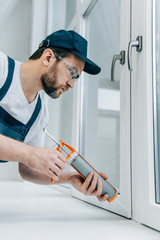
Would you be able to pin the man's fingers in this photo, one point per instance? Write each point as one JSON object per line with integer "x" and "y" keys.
{"x": 104, "y": 175}
{"x": 87, "y": 181}
{"x": 93, "y": 184}
{"x": 52, "y": 175}
{"x": 99, "y": 189}
{"x": 102, "y": 198}
{"x": 56, "y": 170}
{"x": 60, "y": 164}
{"x": 61, "y": 157}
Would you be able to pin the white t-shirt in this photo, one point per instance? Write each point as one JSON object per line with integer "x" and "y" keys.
{"x": 16, "y": 104}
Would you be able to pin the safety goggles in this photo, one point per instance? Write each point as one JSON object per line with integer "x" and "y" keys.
{"x": 72, "y": 70}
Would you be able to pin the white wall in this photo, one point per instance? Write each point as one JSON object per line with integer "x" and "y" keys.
{"x": 23, "y": 26}
{"x": 15, "y": 22}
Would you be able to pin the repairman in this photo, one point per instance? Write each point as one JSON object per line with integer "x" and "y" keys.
{"x": 53, "y": 68}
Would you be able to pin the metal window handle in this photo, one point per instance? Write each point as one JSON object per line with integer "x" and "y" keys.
{"x": 136, "y": 43}
{"x": 116, "y": 57}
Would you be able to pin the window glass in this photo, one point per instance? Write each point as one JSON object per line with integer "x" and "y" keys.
{"x": 65, "y": 120}
{"x": 70, "y": 11}
{"x": 157, "y": 99}
{"x": 100, "y": 139}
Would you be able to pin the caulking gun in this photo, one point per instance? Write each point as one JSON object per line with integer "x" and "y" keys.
{"x": 76, "y": 161}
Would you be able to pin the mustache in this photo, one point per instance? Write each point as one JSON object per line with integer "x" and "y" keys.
{"x": 65, "y": 88}
{"x": 50, "y": 86}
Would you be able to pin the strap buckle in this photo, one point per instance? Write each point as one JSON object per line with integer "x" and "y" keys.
{"x": 44, "y": 43}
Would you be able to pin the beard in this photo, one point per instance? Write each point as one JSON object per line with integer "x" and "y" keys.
{"x": 48, "y": 81}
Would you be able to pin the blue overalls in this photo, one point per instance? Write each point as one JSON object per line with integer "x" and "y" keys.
{"x": 9, "y": 126}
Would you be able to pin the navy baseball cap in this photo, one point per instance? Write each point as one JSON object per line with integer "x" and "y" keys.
{"x": 75, "y": 43}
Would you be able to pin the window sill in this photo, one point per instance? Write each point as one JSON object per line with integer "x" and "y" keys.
{"x": 29, "y": 211}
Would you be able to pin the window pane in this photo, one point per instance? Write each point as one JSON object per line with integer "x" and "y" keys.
{"x": 157, "y": 100}
{"x": 100, "y": 143}
{"x": 70, "y": 11}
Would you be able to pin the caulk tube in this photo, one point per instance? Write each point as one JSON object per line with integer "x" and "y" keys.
{"x": 84, "y": 168}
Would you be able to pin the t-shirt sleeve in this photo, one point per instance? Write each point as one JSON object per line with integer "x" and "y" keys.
{"x": 3, "y": 68}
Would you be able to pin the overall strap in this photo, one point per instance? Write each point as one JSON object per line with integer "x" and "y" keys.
{"x": 35, "y": 113}
{"x": 5, "y": 87}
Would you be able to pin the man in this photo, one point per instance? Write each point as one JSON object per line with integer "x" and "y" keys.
{"x": 54, "y": 67}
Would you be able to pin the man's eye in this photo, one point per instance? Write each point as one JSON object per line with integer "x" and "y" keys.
{"x": 71, "y": 72}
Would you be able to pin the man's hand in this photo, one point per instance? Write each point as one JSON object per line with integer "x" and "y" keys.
{"x": 103, "y": 198}
{"x": 90, "y": 186}
{"x": 47, "y": 161}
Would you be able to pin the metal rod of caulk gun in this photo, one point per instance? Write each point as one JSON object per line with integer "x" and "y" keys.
{"x": 49, "y": 135}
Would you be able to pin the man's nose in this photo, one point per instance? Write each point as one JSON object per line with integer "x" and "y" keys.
{"x": 70, "y": 83}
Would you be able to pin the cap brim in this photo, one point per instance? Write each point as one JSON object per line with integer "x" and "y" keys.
{"x": 89, "y": 67}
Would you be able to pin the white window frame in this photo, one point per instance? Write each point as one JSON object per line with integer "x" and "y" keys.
{"x": 145, "y": 210}
{"x": 122, "y": 205}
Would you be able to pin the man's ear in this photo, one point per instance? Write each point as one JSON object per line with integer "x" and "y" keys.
{"x": 47, "y": 57}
